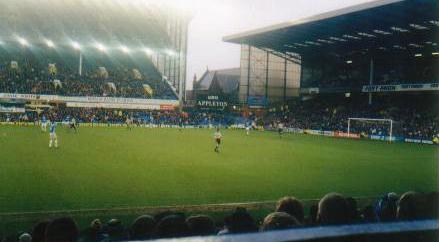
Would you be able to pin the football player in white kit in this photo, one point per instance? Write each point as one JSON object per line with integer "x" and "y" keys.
{"x": 129, "y": 122}
{"x": 217, "y": 136}
{"x": 280, "y": 129}
{"x": 73, "y": 124}
{"x": 43, "y": 123}
{"x": 53, "y": 138}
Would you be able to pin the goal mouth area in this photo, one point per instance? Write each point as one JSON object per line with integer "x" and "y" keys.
{"x": 389, "y": 136}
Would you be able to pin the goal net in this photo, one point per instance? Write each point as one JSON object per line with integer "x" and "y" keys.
{"x": 385, "y": 129}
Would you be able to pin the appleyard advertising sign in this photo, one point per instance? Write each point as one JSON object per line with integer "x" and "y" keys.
{"x": 211, "y": 102}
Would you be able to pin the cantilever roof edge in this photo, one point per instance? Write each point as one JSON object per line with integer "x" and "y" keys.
{"x": 235, "y": 38}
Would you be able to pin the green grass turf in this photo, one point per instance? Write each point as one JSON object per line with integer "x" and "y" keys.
{"x": 114, "y": 167}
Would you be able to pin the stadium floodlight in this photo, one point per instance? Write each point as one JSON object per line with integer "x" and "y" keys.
{"x": 147, "y": 51}
{"x": 418, "y": 26}
{"x": 418, "y": 55}
{"x": 101, "y": 47}
{"x": 23, "y": 41}
{"x": 124, "y": 49}
{"x": 50, "y": 43}
{"x": 76, "y": 45}
{"x": 170, "y": 52}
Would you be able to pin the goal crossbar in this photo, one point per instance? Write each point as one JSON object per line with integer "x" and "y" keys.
{"x": 374, "y": 120}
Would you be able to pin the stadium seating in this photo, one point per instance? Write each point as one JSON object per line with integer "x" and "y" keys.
{"x": 389, "y": 70}
{"x": 46, "y": 73}
{"x": 332, "y": 209}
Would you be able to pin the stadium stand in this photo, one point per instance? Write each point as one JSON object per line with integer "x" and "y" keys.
{"x": 46, "y": 73}
{"x": 390, "y": 70}
{"x": 332, "y": 209}
{"x": 418, "y": 119}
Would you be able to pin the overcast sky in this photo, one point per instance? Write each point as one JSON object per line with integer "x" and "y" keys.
{"x": 214, "y": 19}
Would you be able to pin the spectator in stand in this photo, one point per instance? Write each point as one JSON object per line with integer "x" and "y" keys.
{"x": 333, "y": 209}
{"x": 352, "y": 209}
{"x": 115, "y": 230}
{"x": 39, "y": 230}
{"x": 368, "y": 215}
{"x": 11, "y": 238}
{"x": 201, "y": 225}
{"x": 240, "y": 221}
{"x": 143, "y": 228}
{"x": 432, "y": 207}
{"x": 312, "y": 217}
{"x": 386, "y": 207}
{"x": 94, "y": 232}
{"x": 172, "y": 226}
{"x": 62, "y": 230}
{"x": 292, "y": 206}
{"x": 409, "y": 206}
{"x": 279, "y": 220}
{"x": 25, "y": 237}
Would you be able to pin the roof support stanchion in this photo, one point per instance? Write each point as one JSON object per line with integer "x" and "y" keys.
{"x": 285, "y": 79}
{"x": 371, "y": 78}
{"x": 248, "y": 72}
{"x": 266, "y": 75}
{"x": 80, "y": 63}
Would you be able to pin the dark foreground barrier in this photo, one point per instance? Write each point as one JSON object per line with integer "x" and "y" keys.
{"x": 425, "y": 230}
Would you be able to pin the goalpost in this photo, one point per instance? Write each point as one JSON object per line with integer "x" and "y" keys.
{"x": 378, "y": 120}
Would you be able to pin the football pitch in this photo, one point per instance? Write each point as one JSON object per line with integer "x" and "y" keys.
{"x": 109, "y": 167}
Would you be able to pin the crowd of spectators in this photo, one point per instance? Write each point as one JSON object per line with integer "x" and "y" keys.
{"x": 112, "y": 116}
{"x": 30, "y": 75}
{"x": 332, "y": 209}
{"x": 416, "y": 119}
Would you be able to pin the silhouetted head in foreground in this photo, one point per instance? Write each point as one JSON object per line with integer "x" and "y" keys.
{"x": 39, "y": 231}
{"x": 62, "y": 230}
{"x": 240, "y": 221}
{"x": 386, "y": 207}
{"x": 279, "y": 220}
{"x": 409, "y": 206}
{"x": 312, "y": 216}
{"x": 368, "y": 214}
{"x": 292, "y": 206}
{"x": 172, "y": 226}
{"x": 333, "y": 209}
{"x": 25, "y": 237}
{"x": 143, "y": 228}
{"x": 115, "y": 230}
{"x": 201, "y": 225}
{"x": 352, "y": 209}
